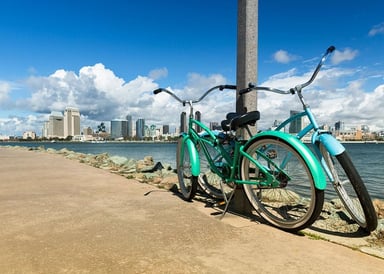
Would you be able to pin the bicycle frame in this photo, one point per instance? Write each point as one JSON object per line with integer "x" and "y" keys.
{"x": 233, "y": 161}
{"x": 325, "y": 137}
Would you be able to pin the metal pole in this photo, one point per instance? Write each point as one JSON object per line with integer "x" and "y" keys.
{"x": 247, "y": 40}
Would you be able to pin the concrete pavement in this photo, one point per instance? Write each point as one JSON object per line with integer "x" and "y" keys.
{"x": 61, "y": 216}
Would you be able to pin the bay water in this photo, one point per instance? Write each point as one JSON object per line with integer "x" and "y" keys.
{"x": 368, "y": 158}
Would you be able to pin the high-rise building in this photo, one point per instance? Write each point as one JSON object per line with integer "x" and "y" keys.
{"x": 165, "y": 129}
{"x": 71, "y": 122}
{"x": 183, "y": 122}
{"x": 119, "y": 129}
{"x": 140, "y": 128}
{"x": 198, "y": 118}
{"x": 339, "y": 125}
{"x": 129, "y": 125}
{"x": 56, "y": 125}
{"x": 45, "y": 129}
{"x": 214, "y": 126}
{"x": 296, "y": 125}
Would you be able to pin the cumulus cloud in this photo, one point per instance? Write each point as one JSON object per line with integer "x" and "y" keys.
{"x": 5, "y": 88}
{"x": 330, "y": 100}
{"x": 341, "y": 56}
{"x": 378, "y": 29}
{"x": 158, "y": 73}
{"x": 101, "y": 96}
{"x": 95, "y": 90}
{"x": 282, "y": 56}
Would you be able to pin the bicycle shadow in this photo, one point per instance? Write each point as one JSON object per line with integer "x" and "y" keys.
{"x": 339, "y": 225}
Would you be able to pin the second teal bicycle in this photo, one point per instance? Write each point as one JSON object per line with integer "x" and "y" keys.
{"x": 334, "y": 158}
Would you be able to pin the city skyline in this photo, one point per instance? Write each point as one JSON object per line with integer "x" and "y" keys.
{"x": 104, "y": 59}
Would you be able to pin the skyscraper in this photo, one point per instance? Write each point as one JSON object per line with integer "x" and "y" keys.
{"x": 140, "y": 128}
{"x": 339, "y": 125}
{"x": 296, "y": 125}
{"x": 198, "y": 118}
{"x": 56, "y": 125}
{"x": 71, "y": 122}
{"x": 129, "y": 125}
{"x": 119, "y": 129}
{"x": 183, "y": 122}
{"x": 165, "y": 129}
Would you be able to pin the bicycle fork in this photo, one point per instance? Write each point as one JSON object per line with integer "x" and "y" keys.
{"x": 332, "y": 146}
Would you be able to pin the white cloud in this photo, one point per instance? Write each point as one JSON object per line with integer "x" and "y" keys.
{"x": 5, "y": 88}
{"x": 330, "y": 100}
{"x": 96, "y": 91}
{"x": 378, "y": 29}
{"x": 341, "y": 56}
{"x": 158, "y": 73}
{"x": 282, "y": 56}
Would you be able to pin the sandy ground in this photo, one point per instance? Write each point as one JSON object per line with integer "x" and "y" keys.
{"x": 60, "y": 216}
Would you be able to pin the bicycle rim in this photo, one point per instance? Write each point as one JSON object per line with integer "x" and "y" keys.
{"x": 293, "y": 205}
{"x": 351, "y": 189}
{"x": 187, "y": 182}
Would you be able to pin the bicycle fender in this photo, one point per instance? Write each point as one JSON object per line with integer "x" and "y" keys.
{"x": 310, "y": 159}
{"x": 331, "y": 144}
{"x": 194, "y": 155}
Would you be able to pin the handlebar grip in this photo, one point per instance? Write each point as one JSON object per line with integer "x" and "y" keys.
{"x": 230, "y": 86}
{"x": 222, "y": 87}
{"x": 331, "y": 49}
{"x": 157, "y": 91}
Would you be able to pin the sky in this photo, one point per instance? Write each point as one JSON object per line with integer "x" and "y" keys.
{"x": 106, "y": 58}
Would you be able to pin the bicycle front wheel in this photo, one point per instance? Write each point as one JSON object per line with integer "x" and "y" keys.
{"x": 351, "y": 189}
{"x": 187, "y": 182}
{"x": 295, "y": 203}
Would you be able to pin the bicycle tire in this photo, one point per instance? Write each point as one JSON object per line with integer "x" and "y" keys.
{"x": 187, "y": 181}
{"x": 210, "y": 182}
{"x": 296, "y": 203}
{"x": 351, "y": 189}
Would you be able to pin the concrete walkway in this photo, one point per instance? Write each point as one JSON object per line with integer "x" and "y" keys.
{"x": 61, "y": 216}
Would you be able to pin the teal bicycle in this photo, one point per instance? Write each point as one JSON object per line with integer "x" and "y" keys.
{"x": 333, "y": 156}
{"x": 281, "y": 177}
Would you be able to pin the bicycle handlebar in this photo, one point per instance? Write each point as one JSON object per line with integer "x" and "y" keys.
{"x": 298, "y": 88}
{"x": 220, "y": 87}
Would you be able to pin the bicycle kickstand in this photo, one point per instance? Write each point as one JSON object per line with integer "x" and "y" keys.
{"x": 227, "y": 201}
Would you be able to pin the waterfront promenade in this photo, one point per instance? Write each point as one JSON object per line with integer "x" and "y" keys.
{"x": 61, "y": 216}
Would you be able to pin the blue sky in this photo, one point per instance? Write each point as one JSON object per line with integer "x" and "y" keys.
{"x": 106, "y": 56}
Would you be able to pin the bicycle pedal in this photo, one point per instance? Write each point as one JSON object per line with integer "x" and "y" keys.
{"x": 219, "y": 203}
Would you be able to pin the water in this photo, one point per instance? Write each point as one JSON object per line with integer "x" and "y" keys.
{"x": 368, "y": 158}
{"x": 161, "y": 152}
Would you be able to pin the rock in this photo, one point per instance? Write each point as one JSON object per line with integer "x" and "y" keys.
{"x": 379, "y": 207}
{"x": 119, "y": 160}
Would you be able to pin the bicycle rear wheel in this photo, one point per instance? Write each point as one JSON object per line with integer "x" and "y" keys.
{"x": 293, "y": 205}
{"x": 187, "y": 182}
{"x": 351, "y": 189}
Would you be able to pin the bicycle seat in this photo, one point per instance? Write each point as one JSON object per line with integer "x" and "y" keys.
{"x": 236, "y": 120}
